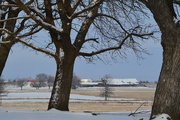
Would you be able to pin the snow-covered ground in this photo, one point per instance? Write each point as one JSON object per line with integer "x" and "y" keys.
{"x": 24, "y": 114}
{"x": 29, "y": 114}
{"x": 46, "y": 95}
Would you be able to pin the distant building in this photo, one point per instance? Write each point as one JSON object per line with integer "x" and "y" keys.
{"x": 123, "y": 82}
{"x": 110, "y": 82}
{"x": 88, "y": 83}
{"x": 29, "y": 82}
{"x": 86, "y": 80}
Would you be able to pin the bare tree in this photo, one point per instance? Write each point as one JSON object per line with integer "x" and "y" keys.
{"x": 75, "y": 82}
{"x": 106, "y": 91}
{"x": 2, "y": 85}
{"x": 21, "y": 82}
{"x": 14, "y": 83}
{"x": 86, "y": 28}
{"x": 167, "y": 95}
{"x": 40, "y": 81}
{"x": 50, "y": 81}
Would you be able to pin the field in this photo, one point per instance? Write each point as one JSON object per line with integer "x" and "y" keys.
{"x": 82, "y": 99}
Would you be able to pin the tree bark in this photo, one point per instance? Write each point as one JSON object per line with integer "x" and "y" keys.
{"x": 167, "y": 95}
{"x": 63, "y": 80}
{"x": 4, "y": 53}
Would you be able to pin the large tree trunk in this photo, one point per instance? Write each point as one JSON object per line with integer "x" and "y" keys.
{"x": 167, "y": 96}
{"x": 4, "y": 52}
{"x": 63, "y": 80}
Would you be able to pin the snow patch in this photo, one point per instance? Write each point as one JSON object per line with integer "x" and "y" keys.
{"x": 162, "y": 117}
{"x": 53, "y": 114}
{"x": 176, "y": 21}
{"x": 2, "y": 12}
{"x": 61, "y": 53}
{"x": 5, "y": 35}
{"x": 90, "y": 14}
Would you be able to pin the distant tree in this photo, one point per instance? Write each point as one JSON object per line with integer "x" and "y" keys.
{"x": 75, "y": 82}
{"x": 14, "y": 82}
{"x": 21, "y": 82}
{"x": 50, "y": 81}
{"x": 2, "y": 85}
{"x": 40, "y": 81}
{"x": 35, "y": 84}
{"x": 106, "y": 91}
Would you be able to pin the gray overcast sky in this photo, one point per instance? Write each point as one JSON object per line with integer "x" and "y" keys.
{"x": 24, "y": 62}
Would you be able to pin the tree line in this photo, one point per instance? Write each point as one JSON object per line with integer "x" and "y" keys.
{"x": 99, "y": 27}
{"x": 41, "y": 80}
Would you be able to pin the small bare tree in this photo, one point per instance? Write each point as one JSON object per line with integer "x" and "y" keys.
{"x": 21, "y": 82}
{"x": 2, "y": 84}
{"x": 50, "y": 81}
{"x": 40, "y": 81}
{"x": 106, "y": 91}
{"x": 75, "y": 82}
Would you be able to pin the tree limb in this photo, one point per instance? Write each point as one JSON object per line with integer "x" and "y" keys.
{"x": 37, "y": 48}
{"x": 106, "y": 49}
{"x": 17, "y": 39}
{"x": 92, "y": 39}
{"x": 76, "y": 5}
{"x": 14, "y": 18}
{"x": 37, "y": 18}
{"x": 117, "y": 21}
{"x": 116, "y": 47}
{"x": 86, "y": 9}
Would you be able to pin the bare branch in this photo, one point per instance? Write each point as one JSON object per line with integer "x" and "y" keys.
{"x": 116, "y": 47}
{"x": 76, "y": 4}
{"x": 92, "y": 39}
{"x": 6, "y": 42}
{"x": 14, "y": 18}
{"x": 106, "y": 49}
{"x": 37, "y": 18}
{"x": 117, "y": 21}
{"x": 8, "y": 5}
{"x": 37, "y": 48}
{"x": 86, "y": 9}
{"x": 7, "y": 31}
{"x": 17, "y": 39}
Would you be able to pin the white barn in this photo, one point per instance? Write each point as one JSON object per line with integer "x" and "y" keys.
{"x": 88, "y": 83}
{"x": 123, "y": 82}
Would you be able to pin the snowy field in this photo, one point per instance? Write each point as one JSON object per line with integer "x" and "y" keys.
{"x": 12, "y": 97}
{"x": 25, "y": 114}
{"x": 15, "y": 95}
